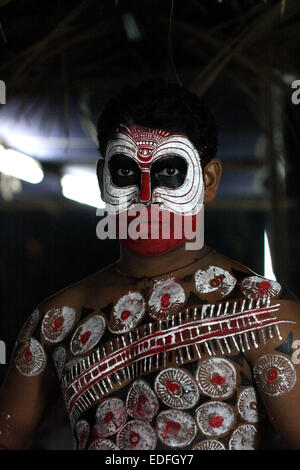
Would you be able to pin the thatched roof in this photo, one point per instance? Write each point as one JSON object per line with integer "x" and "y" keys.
{"x": 59, "y": 46}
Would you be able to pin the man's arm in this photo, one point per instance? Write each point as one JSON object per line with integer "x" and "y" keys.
{"x": 29, "y": 390}
{"x": 276, "y": 369}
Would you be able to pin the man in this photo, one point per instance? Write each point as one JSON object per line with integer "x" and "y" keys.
{"x": 168, "y": 347}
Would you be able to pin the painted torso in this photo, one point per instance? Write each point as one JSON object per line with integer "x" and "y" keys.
{"x": 162, "y": 364}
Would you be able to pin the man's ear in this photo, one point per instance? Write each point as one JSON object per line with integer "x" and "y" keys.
{"x": 100, "y": 168}
{"x": 211, "y": 174}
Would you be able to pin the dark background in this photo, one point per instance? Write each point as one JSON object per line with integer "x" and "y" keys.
{"x": 62, "y": 60}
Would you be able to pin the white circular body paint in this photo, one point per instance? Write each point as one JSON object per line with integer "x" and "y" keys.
{"x": 30, "y": 358}
{"x": 111, "y": 414}
{"x": 248, "y": 406}
{"x": 177, "y": 388}
{"x": 214, "y": 280}
{"x": 175, "y": 428}
{"x": 274, "y": 374}
{"x": 88, "y": 334}
{"x": 243, "y": 438}
{"x": 167, "y": 298}
{"x": 57, "y": 323}
{"x": 82, "y": 430}
{"x": 216, "y": 377}
{"x": 29, "y": 326}
{"x": 215, "y": 419}
{"x": 209, "y": 444}
{"x": 136, "y": 435}
{"x": 127, "y": 313}
{"x": 103, "y": 444}
{"x": 141, "y": 402}
{"x": 257, "y": 287}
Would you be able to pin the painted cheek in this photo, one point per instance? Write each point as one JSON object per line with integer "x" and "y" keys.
{"x": 145, "y": 192}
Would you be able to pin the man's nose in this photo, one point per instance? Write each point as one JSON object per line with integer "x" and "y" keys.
{"x": 145, "y": 190}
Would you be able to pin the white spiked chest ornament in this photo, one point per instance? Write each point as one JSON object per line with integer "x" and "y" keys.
{"x": 145, "y": 146}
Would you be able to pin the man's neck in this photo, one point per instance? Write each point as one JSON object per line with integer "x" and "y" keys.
{"x": 138, "y": 266}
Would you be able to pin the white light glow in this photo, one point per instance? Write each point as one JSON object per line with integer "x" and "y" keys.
{"x": 80, "y": 184}
{"x": 20, "y": 166}
{"x": 268, "y": 271}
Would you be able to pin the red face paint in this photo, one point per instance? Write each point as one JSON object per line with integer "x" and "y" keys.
{"x": 150, "y": 246}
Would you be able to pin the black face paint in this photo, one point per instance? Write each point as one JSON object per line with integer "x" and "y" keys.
{"x": 169, "y": 171}
{"x": 124, "y": 171}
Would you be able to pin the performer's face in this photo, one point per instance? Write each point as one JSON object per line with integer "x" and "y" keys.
{"x": 153, "y": 167}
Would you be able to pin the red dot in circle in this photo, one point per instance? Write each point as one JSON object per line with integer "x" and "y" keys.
{"x": 125, "y": 315}
{"x": 216, "y": 421}
{"x": 171, "y": 427}
{"x": 85, "y": 337}
{"x": 216, "y": 281}
{"x": 173, "y": 387}
{"x": 218, "y": 380}
{"x": 134, "y": 438}
{"x": 165, "y": 301}
{"x": 141, "y": 402}
{"x": 57, "y": 323}
{"x": 263, "y": 286}
{"x": 27, "y": 355}
{"x": 272, "y": 374}
{"x": 108, "y": 417}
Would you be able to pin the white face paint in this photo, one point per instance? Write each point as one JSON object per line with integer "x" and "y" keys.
{"x": 145, "y": 146}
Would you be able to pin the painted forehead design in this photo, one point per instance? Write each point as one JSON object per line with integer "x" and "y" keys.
{"x": 145, "y": 144}
{"x": 145, "y": 139}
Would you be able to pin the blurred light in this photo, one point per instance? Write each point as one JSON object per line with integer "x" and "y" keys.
{"x": 80, "y": 184}
{"x": 269, "y": 274}
{"x": 20, "y": 166}
{"x": 130, "y": 25}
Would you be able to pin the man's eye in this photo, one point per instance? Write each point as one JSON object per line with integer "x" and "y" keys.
{"x": 170, "y": 171}
{"x": 125, "y": 172}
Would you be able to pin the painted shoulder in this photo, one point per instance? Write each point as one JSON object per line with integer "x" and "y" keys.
{"x": 253, "y": 285}
{"x": 58, "y": 314}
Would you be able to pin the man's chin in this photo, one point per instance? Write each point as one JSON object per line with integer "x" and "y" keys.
{"x": 150, "y": 247}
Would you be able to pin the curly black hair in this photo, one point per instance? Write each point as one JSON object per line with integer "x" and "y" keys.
{"x": 161, "y": 105}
